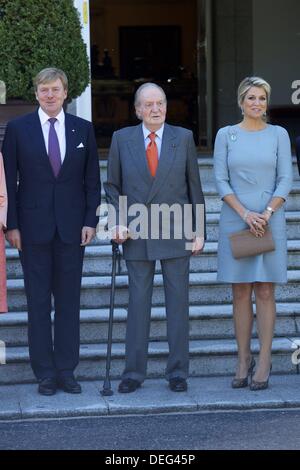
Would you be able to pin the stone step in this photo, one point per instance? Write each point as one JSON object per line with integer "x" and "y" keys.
{"x": 212, "y": 218}
{"x": 205, "y": 165}
{"x": 207, "y": 358}
{"x": 292, "y": 220}
{"x": 213, "y": 202}
{"x": 98, "y": 260}
{"x": 212, "y": 198}
{"x": 204, "y": 289}
{"x": 206, "y": 322}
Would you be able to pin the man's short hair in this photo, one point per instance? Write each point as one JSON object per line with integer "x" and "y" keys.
{"x": 142, "y": 87}
{"x": 50, "y": 74}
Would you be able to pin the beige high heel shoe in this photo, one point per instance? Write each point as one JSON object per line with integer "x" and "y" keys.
{"x": 242, "y": 383}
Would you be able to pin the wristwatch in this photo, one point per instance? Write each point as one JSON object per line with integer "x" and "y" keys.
{"x": 270, "y": 210}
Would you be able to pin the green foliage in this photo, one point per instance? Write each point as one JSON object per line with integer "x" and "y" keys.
{"x": 35, "y": 34}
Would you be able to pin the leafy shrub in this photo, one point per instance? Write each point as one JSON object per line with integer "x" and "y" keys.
{"x": 35, "y": 34}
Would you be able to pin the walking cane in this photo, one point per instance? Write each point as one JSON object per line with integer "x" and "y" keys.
{"x": 107, "y": 390}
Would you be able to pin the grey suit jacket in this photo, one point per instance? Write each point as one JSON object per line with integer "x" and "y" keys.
{"x": 177, "y": 181}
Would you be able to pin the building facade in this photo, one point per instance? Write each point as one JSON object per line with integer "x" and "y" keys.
{"x": 198, "y": 51}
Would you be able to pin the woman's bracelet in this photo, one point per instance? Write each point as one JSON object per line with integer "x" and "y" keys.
{"x": 246, "y": 215}
{"x": 270, "y": 210}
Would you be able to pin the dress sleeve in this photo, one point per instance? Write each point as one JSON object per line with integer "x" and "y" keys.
{"x": 220, "y": 163}
{"x": 3, "y": 194}
{"x": 284, "y": 176}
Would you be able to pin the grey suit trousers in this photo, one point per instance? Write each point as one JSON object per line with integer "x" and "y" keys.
{"x": 176, "y": 281}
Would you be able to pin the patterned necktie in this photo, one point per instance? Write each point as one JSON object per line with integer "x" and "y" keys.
{"x": 53, "y": 148}
{"x": 152, "y": 154}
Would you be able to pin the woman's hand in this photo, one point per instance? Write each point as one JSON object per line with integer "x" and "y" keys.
{"x": 14, "y": 238}
{"x": 256, "y": 222}
{"x": 266, "y": 215}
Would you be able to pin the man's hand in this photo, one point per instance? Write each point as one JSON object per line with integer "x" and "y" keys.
{"x": 120, "y": 234}
{"x": 87, "y": 235}
{"x": 14, "y": 238}
{"x": 198, "y": 245}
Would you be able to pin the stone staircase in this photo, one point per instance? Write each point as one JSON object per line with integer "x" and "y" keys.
{"x": 212, "y": 343}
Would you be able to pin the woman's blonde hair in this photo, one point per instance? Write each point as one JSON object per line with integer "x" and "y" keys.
{"x": 248, "y": 83}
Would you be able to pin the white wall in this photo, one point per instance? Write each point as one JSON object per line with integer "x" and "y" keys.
{"x": 84, "y": 101}
{"x": 276, "y": 46}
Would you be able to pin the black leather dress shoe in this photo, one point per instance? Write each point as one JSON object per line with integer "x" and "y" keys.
{"x": 69, "y": 385}
{"x": 128, "y": 386}
{"x": 178, "y": 384}
{"x": 47, "y": 386}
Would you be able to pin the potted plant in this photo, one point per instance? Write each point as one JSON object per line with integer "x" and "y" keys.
{"x": 34, "y": 35}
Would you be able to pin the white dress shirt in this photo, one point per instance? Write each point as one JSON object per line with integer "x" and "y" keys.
{"x": 158, "y": 138}
{"x": 59, "y": 127}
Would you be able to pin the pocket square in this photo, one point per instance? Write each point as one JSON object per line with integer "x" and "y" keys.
{"x": 80, "y": 146}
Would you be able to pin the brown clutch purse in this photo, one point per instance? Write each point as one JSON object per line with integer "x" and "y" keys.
{"x": 244, "y": 243}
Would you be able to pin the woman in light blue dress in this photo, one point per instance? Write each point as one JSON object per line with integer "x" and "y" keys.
{"x": 253, "y": 172}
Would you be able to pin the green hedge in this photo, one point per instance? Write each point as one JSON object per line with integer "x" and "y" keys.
{"x": 35, "y": 34}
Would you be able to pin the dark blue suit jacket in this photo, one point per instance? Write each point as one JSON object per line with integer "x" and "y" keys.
{"x": 41, "y": 203}
{"x": 298, "y": 152}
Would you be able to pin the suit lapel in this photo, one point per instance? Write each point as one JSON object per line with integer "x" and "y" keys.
{"x": 37, "y": 139}
{"x": 136, "y": 145}
{"x": 167, "y": 157}
{"x": 70, "y": 132}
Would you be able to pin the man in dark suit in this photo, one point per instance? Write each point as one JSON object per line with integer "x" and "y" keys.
{"x": 155, "y": 164}
{"x": 51, "y": 218}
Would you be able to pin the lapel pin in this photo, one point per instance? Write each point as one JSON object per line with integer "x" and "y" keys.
{"x": 73, "y": 130}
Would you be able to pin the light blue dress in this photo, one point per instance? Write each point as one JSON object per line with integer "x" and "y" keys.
{"x": 255, "y": 166}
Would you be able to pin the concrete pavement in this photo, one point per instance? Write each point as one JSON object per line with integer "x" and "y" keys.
{"x": 21, "y": 402}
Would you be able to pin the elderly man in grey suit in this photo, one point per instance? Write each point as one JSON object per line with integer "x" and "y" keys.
{"x": 155, "y": 164}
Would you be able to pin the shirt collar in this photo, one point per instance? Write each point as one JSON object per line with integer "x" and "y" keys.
{"x": 44, "y": 117}
{"x": 159, "y": 132}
